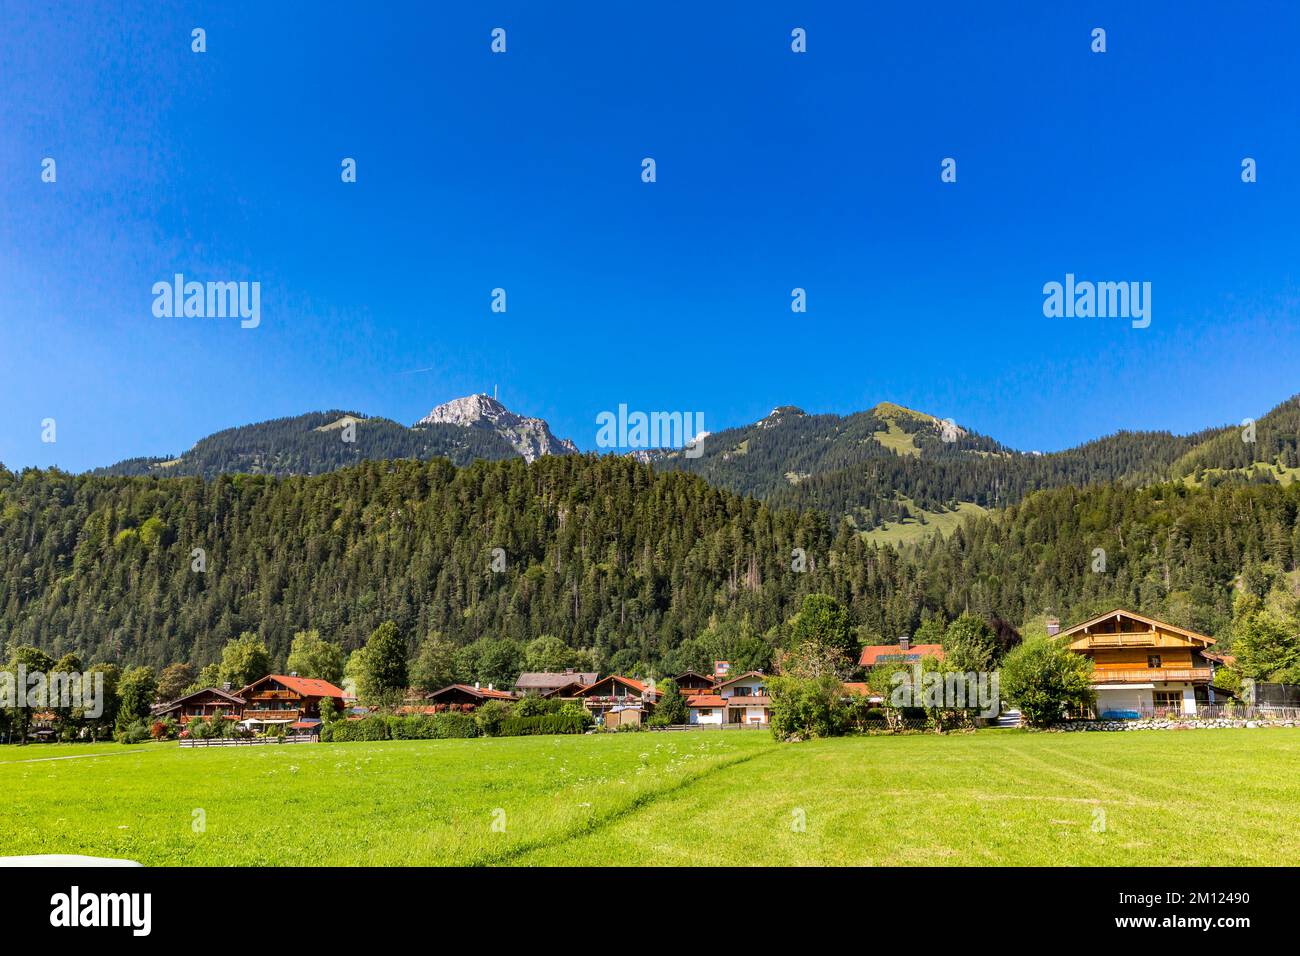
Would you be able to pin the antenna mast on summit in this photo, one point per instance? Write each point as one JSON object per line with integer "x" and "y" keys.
{"x": 494, "y": 393}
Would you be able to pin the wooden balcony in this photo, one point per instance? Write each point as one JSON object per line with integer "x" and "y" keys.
{"x": 1147, "y": 675}
{"x": 270, "y": 714}
{"x": 756, "y": 701}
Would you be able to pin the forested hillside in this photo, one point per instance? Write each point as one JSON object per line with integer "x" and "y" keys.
{"x": 884, "y": 464}
{"x": 600, "y": 552}
{"x": 870, "y": 493}
{"x": 314, "y": 443}
{"x": 877, "y": 468}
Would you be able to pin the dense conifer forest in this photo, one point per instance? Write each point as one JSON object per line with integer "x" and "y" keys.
{"x": 601, "y": 552}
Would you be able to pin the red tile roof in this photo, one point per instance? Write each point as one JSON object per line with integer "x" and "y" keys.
{"x": 306, "y": 686}
{"x": 872, "y": 654}
{"x": 705, "y": 700}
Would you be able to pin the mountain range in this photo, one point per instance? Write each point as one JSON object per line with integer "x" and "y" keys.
{"x": 890, "y": 471}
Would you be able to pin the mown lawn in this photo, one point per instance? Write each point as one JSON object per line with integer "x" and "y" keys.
{"x": 995, "y": 797}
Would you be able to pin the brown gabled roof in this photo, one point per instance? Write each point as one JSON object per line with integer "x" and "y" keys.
{"x": 480, "y": 692}
{"x": 572, "y": 688}
{"x": 1228, "y": 660}
{"x": 544, "y": 680}
{"x": 740, "y": 677}
{"x": 707, "y": 677}
{"x": 234, "y": 699}
{"x": 1149, "y": 621}
{"x": 634, "y": 684}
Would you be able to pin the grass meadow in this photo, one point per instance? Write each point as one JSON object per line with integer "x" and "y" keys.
{"x": 994, "y": 797}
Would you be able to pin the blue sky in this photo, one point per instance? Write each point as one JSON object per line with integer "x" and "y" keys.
{"x": 522, "y": 171}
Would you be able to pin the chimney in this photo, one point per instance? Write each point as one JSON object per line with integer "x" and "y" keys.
{"x": 568, "y": 670}
{"x": 489, "y": 687}
{"x": 476, "y": 685}
{"x": 905, "y": 643}
{"x": 225, "y": 686}
{"x": 1053, "y": 627}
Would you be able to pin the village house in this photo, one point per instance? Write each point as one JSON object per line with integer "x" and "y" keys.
{"x": 707, "y": 708}
{"x": 704, "y": 705}
{"x": 904, "y": 650}
{"x": 1143, "y": 666}
{"x": 746, "y": 699}
{"x": 465, "y": 697}
{"x": 205, "y": 703}
{"x": 547, "y": 683}
{"x": 286, "y": 699}
{"x": 693, "y": 682}
{"x": 616, "y": 700}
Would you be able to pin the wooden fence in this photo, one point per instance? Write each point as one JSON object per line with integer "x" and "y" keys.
{"x": 712, "y": 727}
{"x": 249, "y": 741}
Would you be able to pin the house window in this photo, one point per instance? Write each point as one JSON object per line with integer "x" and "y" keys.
{"x": 1167, "y": 698}
{"x": 1153, "y": 660}
{"x": 706, "y": 711}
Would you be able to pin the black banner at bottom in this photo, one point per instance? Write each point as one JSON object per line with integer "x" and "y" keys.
{"x": 142, "y": 906}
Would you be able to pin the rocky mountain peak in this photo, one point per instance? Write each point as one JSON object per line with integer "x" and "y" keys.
{"x": 531, "y": 437}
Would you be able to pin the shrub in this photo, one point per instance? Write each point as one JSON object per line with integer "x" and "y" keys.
{"x": 419, "y": 727}
{"x": 546, "y": 724}
{"x": 534, "y": 706}
{"x": 133, "y": 733}
{"x": 808, "y": 707}
{"x": 489, "y": 716}
{"x": 410, "y": 728}
{"x": 1044, "y": 678}
{"x": 672, "y": 705}
{"x": 453, "y": 725}
{"x": 367, "y": 728}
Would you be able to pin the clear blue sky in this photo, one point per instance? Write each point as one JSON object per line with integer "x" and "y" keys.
{"x": 522, "y": 170}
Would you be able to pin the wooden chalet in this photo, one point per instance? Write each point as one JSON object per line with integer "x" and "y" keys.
{"x": 747, "y": 699}
{"x": 464, "y": 697}
{"x": 693, "y": 682}
{"x": 1143, "y": 666}
{"x": 205, "y": 703}
{"x": 548, "y": 683}
{"x": 618, "y": 700}
{"x": 288, "y": 699}
{"x": 567, "y": 691}
{"x": 707, "y": 707}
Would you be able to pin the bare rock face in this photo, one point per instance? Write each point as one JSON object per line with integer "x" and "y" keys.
{"x": 531, "y": 437}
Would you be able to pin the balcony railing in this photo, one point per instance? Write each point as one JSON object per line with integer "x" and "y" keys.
{"x": 753, "y": 701}
{"x": 1146, "y": 675}
{"x": 1230, "y": 711}
{"x": 270, "y": 714}
{"x": 1125, "y": 639}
